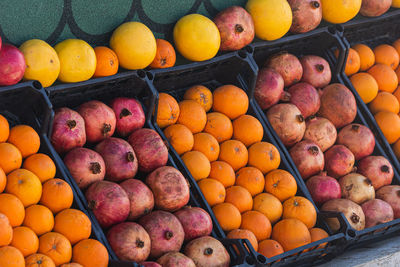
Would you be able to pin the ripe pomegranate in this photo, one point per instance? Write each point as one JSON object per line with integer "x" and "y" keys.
{"x": 149, "y": 148}
{"x": 357, "y": 188}
{"x": 0, "y": 42}
{"x": 288, "y": 66}
{"x": 109, "y": 203}
{"x": 175, "y": 259}
{"x": 377, "y": 212}
{"x": 307, "y": 15}
{"x": 358, "y": 138}
{"x": 391, "y": 194}
{"x": 288, "y": 123}
{"x": 316, "y": 71}
{"x": 377, "y": 169}
{"x": 321, "y": 131}
{"x": 308, "y": 158}
{"x": 85, "y": 165}
{"x": 140, "y": 197}
{"x": 236, "y": 28}
{"x": 207, "y": 251}
{"x": 12, "y": 65}
{"x": 339, "y": 161}
{"x": 150, "y": 264}
{"x": 129, "y": 241}
{"x": 195, "y": 222}
{"x": 323, "y": 188}
{"x": 269, "y": 88}
{"x": 129, "y": 115}
{"x": 165, "y": 230}
{"x": 68, "y": 130}
{"x": 305, "y": 97}
{"x": 338, "y": 105}
{"x": 374, "y": 8}
{"x": 352, "y": 211}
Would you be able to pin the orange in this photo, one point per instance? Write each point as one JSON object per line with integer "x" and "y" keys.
{"x": 10, "y": 157}
{"x": 192, "y": 115}
{"x": 367, "y": 56}
{"x": 389, "y": 123}
{"x": 228, "y": 216}
{"x": 167, "y": 111}
{"x": 386, "y": 54}
{"x": 206, "y": 144}
{"x": 396, "y": 149}
{"x": 57, "y": 195}
{"x": 6, "y": 231}
{"x": 11, "y": 257}
{"x": 365, "y": 85}
{"x": 223, "y": 172}
{"x": 3, "y": 180}
{"x": 4, "y": 129}
{"x": 25, "y": 138}
{"x": 230, "y": 100}
{"x": 300, "y": 208}
{"x": 258, "y": 223}
{"x": 56, "y": 246}
{"x": 397, "y": 94}
{"x": 240, "y": 197}
{"x": 234, "y": 153}
{"x": 281, "y": 184}
{"x": 25, "y": 240}
{"x": 71, "y": 264}
{"x": 270, "y": 248}
{"x": 318, "y": 234}
{"x": 90, "y": 253}
{"x": 264, "y": 156}
{"x": 107, "y": 62}
{"x": 201, "y": 95}
{"x": 396, "y": 45}
{"x": 73, "y": 224}
{"x": 291, "y": 234}
{"x": 39, "y": 260}
{"x": 353, "y": 62}
{"x": 384, "y": 101}
{"x": 248, "y": 130}
{"x": 219, "y": 126}
{"x": 25, "y": 185}
{"x": 165, "y": 55}
{"x": 252, "y": 179}
{"x": 197, "y": 163}
{"x": 397, "y": 71}
{"x": 244, "y": 234}
{"x": 41, "y": 165}
{"x": 13, "y": 208}
{"x": 39, "y": 218}
{"x": 385, "y": 77}
{"x": 180, "y": 137}
{"x": 213, "y": 191}
{"x": 268, "y": 205}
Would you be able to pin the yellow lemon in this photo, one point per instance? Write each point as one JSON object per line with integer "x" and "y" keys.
{"x": 77, "y": 60}
{"x": 340, "y": 11}
{"x": 41, "y": 60}
{"x": 396, "y": 3}
{"x": 134, "y": 45}
{"x": 196, "y": 37}
{"x": 272, "y": 18}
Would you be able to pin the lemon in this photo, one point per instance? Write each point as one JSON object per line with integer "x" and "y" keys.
{"x": 396, "y": 3}
{"x": 196, "y": 37}
{"x": 340, "y": 11}
{"x": 272, "y": 18}
{"x": 41, "y": 60}
{"x": 134, "y": 45}
{"x": 77, "y": 60}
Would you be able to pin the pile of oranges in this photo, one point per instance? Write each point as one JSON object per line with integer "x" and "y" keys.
{"x": 236, "y": 171}
{"x": 37, "y": 225}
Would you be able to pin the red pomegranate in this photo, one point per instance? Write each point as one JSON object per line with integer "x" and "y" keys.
{"x": 308, "y": 158}
{"x": 12, "y": 65}
{"x": 321, "y": 131}
{"x": 307, "y": 15}
{"x": 358, "y": 138}
{"x": 323, "y": 188}
{"x": 339, "y": 161}
{"x": 356, "y": 188}
{"x": 150, "y": 264}
{"x": 391, "y": 194}
{"x": 269, "y": 88}
{"x": 352, "y": 211}
{"x": 305, "y": 97}
{"x": 195, "y": 222}
{"x": 316, "y": 71}
{"x": 377, "y": 169}
{"x": 140, "y": 197}
{"x": 175, "y": 259}
{"x": 374, "y": 8}
{"x": 129, "y": 115}
{"x": 288, "y": 66}
{"x": 207, "y": 251}
{"x": 376, "y": 212}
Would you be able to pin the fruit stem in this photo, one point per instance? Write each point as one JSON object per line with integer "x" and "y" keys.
{"x": 319, "y": 67}
{"x": 239, "y": 28}
{"x": 355, "y": 218}
{"x": 313, "y": 150}
{"x": 106, "y": 128}
{"x": 368, "y": 181}
{"x": 355, "y": 127}
{"x": 95, "y": 167}
{"x": 130, "y": 157}
{"x": 124, "y": 112}
{"x": 71, "y": 124}
{"x": 208, "y": 251}
{"x": 168, "y": 235}
{"x": 300, "y": 118}
{"x": 139, "y": 243}
{"x": 315, "y": 4}
{"x": 385, "y": 168}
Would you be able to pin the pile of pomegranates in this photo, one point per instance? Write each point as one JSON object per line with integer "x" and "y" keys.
{"x": 139, "y": 200}
{"x": 314, "y": 120}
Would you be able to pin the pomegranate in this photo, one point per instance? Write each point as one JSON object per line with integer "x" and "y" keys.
{"x": 68, "y": 130}
{"x": 175, "y": 259}
{"x": 195, "y": 222}
{"x": 0, "y": 42}
{"x": 391, "y": 194}
{"x": 150, "y": 264}
{"x": 339, "y": 161}
{"x": 288, "y": 123}
{"x": 305, "y": 97}
{"x": 150, "y": 149}
{"x": 357, "y": 188}
{"x": 129, "y": 241}
{"x": 374, "y": 8}
{"x": 316, "y": 71}
{"x": 236, "y": 28}
{"x": 377, "y": 169}
{"x": 269, "y": 88}
{"x": 321, "y": 131}
{"x": 207, "y": 251}
{"x": 99, "y": 120}
{"x": 307, "y": 15}
{"x": 129, "y": 115}
{"x": 12, "y": 65}
{"x": 140, "y": 197}
{"x": 288, "y": 66}
{"x": 165, "y": 230}
{"x": 323, "y": 188}
{"x": 352, "y": 211}
{"x": 358, "y": 138}
{"x": 308, "y": 158}
{"x": 377, "y": 212}
{"x": 120, "y": 159}
{"x": 171, "y": 190}
{"x": 109, "y": 203}
{"x": 85, "y": 165}
{"x": 338, "y": 105}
